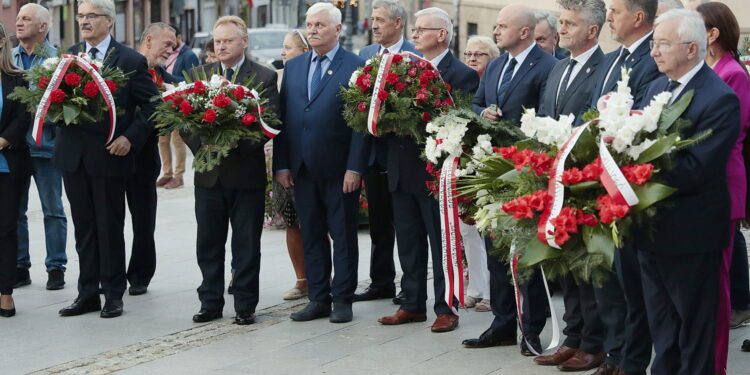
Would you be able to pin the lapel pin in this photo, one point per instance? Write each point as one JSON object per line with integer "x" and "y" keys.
{"x": 330, "y": 72}
{"x": 531, "y": 64}
{"x": 632, "y": 60}
{"x": 588, "y": 70}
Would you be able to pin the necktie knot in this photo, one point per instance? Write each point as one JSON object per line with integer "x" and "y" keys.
{"x": 93, "y": 52}
{"x": 320, "y": 58}
{"x": 385, "y": 51}
{"x": 673, "y": 85}
{"x": 229, "y": 73}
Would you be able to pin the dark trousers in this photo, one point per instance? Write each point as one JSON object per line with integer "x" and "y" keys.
{"x": 11, "y": 189}
{"x": 382, "y": 231}
{"x": 503, "y": 299}
{"x": 141, "y": 196}
{"x": 215, "y": 209}
{"x": 583, "y": 328}
{"x": 623, "y": 313}
{"x": 324, "y": 210}
{"x": 97, "y": 205}
{"x": 417, "y": 220}
{"x": 680, "y": 292}
{"x": 738, "y": 273}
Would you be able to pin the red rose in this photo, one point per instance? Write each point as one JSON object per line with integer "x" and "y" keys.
{"x": 364, "y": 82}
{"x": 209, "y": 116}
{"x": 412, "y": 72}
{"x": 262, "y": 109}
{"x": 199, "y": 87}
{"x": 400, "y": 87}
{"x": 248, "y": 119}
{"x": 367, "y": 69}
{"x": 362, "y": 106}
{"x": 112, "y": 86}
{"x": 397, "y": 58}
{"x": 57, "y": 96}
{"x": 572, "y": 176}
{"x": 221, "y": 101}
{"x": 448, "y": 102}
{"x": 422, "y": 94}
{"x": 90, "y": 89}
{"x": 186, "y": 108}
{"x": 382, "y": 95}
{"x": 72, "y": 79}
{"x": 239, "y": 93}
{"x": 426, "y": 116}
{"x": 43, "y": 82}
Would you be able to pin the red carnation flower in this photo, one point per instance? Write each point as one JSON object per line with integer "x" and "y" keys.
{"x": 422, "y": 94}
{"x": 90, "y": 89}
{"x": 392, "y": 78}
{"x": 112, "y": 86}
{"x": 43, "y": 82}
{"x": 637, "y": 174}
{"x": 57, "y": 96}
{"x": 426, "y": 116}
{"x": 400, "y": 87}
{"x": 422, "y": 64}
{"x": 199, "y": 87}
{"x": 221, "y": 101}
{"x": 592, "y": 171}
{"x": 209, "y": 116}
{"x": 572, "y": 176}
{"x": 248, "y": 119}
{"x": 397, "y": 58}
{"x": 239, "y": 93}
{"x": 367, "y": 69}
{"x": 362, "y": 106}
{"x": 382, "y": 95}
{"x": 186, "y": 108}
{"x": 72, "y": 79}
{"x": 412, "y": 72}
{"x": 364, "y": 82}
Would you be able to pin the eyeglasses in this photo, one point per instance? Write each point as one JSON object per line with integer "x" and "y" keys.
{"x": 663, "y": 45}
{"x": 421, "y": 30}
{"x": 475, "y": 55}
{"x": 89, "y": 17}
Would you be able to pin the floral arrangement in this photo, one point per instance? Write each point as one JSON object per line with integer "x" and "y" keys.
{"x": 567, "y": 197}
{"x": 218, "y": 112}
{"x": 394, "y": 94}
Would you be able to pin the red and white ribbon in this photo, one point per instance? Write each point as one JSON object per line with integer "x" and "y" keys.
{"x": 452, "y": 245}
{"x": 613, "y": 180}
{"x": 54, "y": 84}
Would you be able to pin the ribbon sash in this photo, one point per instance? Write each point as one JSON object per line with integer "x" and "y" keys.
{"x": 54, "y": 84}
{"x": 452, "y": 245}
{"x": 613, "y": 180}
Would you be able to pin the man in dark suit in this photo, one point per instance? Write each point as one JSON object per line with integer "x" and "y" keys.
{"x": 323, "y": 159}
{"x": 679, "y": 257}
{"x": 95, "y": 174}
{"x": 567, "y": 93}
{"x": 620, "y": 298}
{"x": 388, "y": 20}
{"x": 157, "y": 42}
{"x": 546, "y": 35}
{"x": 233, "y": 192}
{"x": 513, "y": 81}
{"x": 415, "y": 210}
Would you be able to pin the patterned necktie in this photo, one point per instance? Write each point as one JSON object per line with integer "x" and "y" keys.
{"x": 614, "y": 75}
{"x": 502, "y": 90}
{"x": 316, "y": 78}
{"x": 564, "y": 87}
{"x": 385, "y": 51}
{"x": 93, "y": 52}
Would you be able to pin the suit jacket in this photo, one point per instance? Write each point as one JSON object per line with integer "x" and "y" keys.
{"x": 245, "y": 166}
{"x": 14, "y": 121}
{"x": 525, "y": 89}
{"x": 315, "y": 133}
{"x": 378, "y": 147}
{"x": 644, "y": 71}
{"x": 84, "y": 144}
{"x": 186, "y": 61}
{"x": 696, "y": 218}
{"x": 576, "y": 98}
{"x": 406, "y": 169}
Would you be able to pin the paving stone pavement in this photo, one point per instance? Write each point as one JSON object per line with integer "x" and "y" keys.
{"x": 156, "y": 334}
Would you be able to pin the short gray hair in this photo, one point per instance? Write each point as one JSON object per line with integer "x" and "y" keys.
{"x": 691, "y": 28}
{"x": 40, "y": 13}
{"x": 672, "y": 4}
{"x": 441, "y": 16}
{"x": 107, "y": 6}
{"x": 395, "y": 8}
{"x": 487, "y": 42}
{"x": 333, "y": 13}
{"x": 547, "y": 16}
{"x": 648, "y": 7}
{"x": 160, "y": 26}
{"x": 593, "y": 11}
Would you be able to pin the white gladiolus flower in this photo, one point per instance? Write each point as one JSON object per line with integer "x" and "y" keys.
{"x": 353, "y": 78}
{"x": 635, "y": 151}
{"x": 51, "y": 63}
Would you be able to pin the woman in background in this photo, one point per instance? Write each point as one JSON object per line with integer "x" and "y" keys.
{"x": 480, "y": 50}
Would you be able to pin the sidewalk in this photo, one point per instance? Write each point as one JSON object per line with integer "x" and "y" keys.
{"x": 156, "y": 335}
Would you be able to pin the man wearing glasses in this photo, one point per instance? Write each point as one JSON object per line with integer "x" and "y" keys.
{"x": 95, "y": 174}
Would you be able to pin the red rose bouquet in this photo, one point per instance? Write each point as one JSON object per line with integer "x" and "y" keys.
{"x": 218, "y": 112}
{"x": 394, "y": 94}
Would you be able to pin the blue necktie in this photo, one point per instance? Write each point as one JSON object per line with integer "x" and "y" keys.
{"x": 316, "y": 78}
{"x": 229, "y": 74}
{"x": 502, "y": 91}
{"x": 92, "y": 52}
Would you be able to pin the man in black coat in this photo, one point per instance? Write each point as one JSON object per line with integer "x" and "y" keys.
{"x": 233, "y": 192}
{"x": 95, "y": 174}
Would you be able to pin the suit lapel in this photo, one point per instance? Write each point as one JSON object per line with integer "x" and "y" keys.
{"x": 695, "y": 83}
{"x": 328, "y": 74}
{"x": 526, "y": 67}
{"x": 246, "y": 71}
{"x": 113, "y": 53}
{"x": 636, "y": 56}
{"x": 583, "y": 75}
{"x": 495, "y": 78}
{"x": 445, "y": 65}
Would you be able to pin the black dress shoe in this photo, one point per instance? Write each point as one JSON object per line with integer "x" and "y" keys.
{"x": 244, "y": 319}
{"x": 489, "y": 338}
{"x": 532, "y": 340}
{"x": 746, "y": 346}
{"x": 55, "y": 279}
{"x": 80, "y": 306}
{"x": 112, "y": 308}
{"x": 137, "y": 289}
{"x": 372, "y": 294}
{"x": 204, "y": 315}
{"x": 22, "y": 278}
{"x": 342, "y": 312}
{"x": 313, "y": 310}
{"x": 7, "y": 313}
{"x": 398, "y": 298}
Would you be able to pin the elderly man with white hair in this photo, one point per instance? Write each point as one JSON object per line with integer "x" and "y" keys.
{"x": 680, "y": 255}
{"x": 33, "y": 22}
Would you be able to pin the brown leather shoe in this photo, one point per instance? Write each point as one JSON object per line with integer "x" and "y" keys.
{"x": 582, "y": 361}
{"x": 163, "y": 181}
{"x": 562, "y": 354}
{"x": 445, "y": 323}
{"x": 174, "y": 183}
{"x": 402, "y": 316}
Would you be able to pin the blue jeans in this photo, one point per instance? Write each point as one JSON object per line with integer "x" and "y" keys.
{"x": 48, "y": 181}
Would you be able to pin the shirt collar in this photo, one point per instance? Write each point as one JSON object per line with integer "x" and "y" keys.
{"x": 235, "y": 67}
{"x": 690, "y": 74}
{"x": 583, "y": 58}
{"x": 522, "y": 56}
{"x": 102, "y": 46}
{"x": 329, "y": 55}
{"x": 638, "y": 42}
{"x": 396, "y": 47}
{"x": 436, "y": 61}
